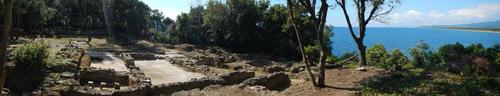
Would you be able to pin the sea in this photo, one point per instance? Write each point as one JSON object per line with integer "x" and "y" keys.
{"x": 406, "y": 38}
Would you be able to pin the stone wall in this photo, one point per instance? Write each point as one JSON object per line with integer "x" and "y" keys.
{"x": 167, "y": 89}
{"x": 109, "y": 76}
{"x": 143, "y": 56}
{"x": 138, "y": 83}
{"x": 226, "y": 79}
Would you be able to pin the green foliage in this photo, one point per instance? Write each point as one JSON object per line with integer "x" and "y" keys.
{"x": 312, "y": 52}
{"x": 129, "y": 19}
{"x": 247, "y": 26}
{"x": 421, "y": 56}
{"x": 493, "y": 53}
{"x": 30, "y": 60}
{"x": 353, "y": 63}
{"x": 476, "y": 50}
{"x": 331, "y": 59}
{"x": 451, "y": 51}
{"x": 397, "y": 60}
{"x": 163, "y": 37}
{"x": 377, "y": 56}
{"x": 31, "y": 55}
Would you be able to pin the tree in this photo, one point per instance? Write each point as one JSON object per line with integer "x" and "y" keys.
{"x": 129, "y": 19}
{"x": 319, "y": 25}
{"x": 7, "y": 18}
{"x": 378, "y": 9}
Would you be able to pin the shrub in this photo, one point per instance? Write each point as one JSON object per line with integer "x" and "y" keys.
{"x": 476, "y": 50}
{"x": 421, "y": 56}
{"x": 451, "y": 51}
{"x": 162, "y": 37}
{"x": 30, "y": 60}
{"x": 397, "y": 58}
{"x": 331, "y": 59}
{"x": 377, "y": 56}
{"x": 492, "y": 53}
{"x": 350, "y": 63}
{"x": 312, "y": 52}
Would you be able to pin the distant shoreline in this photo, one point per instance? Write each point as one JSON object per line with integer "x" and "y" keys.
{"x": 473, "y": 29}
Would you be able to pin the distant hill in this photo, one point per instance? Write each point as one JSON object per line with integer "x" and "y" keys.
{"x": 480, "y": 25}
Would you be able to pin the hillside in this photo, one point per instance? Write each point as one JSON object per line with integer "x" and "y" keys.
{"x": 491, "y": 26}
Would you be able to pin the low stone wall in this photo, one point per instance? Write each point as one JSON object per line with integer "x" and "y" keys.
{"x": 167, "y": 89}
{"x": 88, "y": 91}
{"x": 109, "y": 76}
{"x": 143, "y": 56}
{"x": 226, "y": 79}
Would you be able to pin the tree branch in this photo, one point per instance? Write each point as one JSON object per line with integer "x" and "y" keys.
{"x": 341, "y": 3}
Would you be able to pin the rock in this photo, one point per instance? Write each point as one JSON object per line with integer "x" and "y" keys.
{"x": 361, "y": 69}
{"x": 185, "y": 47}
{"x": 274, "y": 81}
{"x": 237, "y": 76}
{"x": 295, "y": 70}
{"x": 256, "y": 88}
{"x": 274, "y": 68}
{"x": 143, "y": 56}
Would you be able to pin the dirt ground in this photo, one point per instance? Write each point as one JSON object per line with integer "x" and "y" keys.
{"x": 162, "y": 72}
{"x": 340, "y": 82}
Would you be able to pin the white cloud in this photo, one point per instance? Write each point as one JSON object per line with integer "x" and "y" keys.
{"x": 484, "y": 12}
{"x": 413, "y": 13}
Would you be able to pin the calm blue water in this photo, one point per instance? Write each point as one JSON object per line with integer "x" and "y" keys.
{"x": 406, "y": 38}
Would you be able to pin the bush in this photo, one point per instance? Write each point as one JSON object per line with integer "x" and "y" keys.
{"x": 492, "y": 53}
{"x": 162, "y": 37}
{"x": 421, "y": 55}
{"x": 312, "y": 52}
{"x": 377, "y": 56}
{"x": 30, "y": 60}
{"x": 353, "y": 63}
{"x": 451, "y": 52}
{"x": 397, "y": 59}
{"x": 476, "y": 50}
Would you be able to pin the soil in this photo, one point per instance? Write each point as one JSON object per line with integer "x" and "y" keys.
{"x": 339, "y": 82}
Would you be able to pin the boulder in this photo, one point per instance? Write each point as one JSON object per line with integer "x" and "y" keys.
{"x": 274, "y": 81}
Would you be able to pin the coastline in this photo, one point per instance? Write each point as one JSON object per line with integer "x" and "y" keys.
{"x": 473, "y": 30}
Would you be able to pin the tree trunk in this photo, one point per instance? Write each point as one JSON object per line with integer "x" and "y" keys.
{"x": 362, "y": 53}
{"x": 321, "y": 41}
{"x": 4, "y": 40}
{"x": 301, "y": 47}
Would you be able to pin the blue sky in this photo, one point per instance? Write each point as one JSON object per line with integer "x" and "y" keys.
{"x": 410, "y": 13}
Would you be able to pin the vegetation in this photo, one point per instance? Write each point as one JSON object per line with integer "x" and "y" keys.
{"x": 30, "y": 61}
{"x": 247, "y": 26}
{"x": 452, "y": 70}
{"x": 378, "y": 9}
